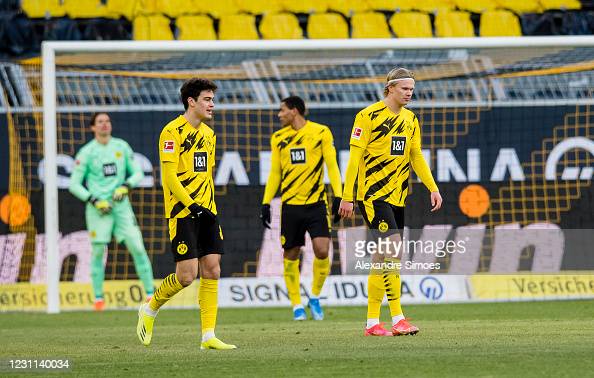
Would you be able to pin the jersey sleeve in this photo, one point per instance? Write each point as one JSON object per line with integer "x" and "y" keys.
{"x": 133, "y": 168}
{"x": 212, "y": 153}
{"x": 78, "y": 176}
{"x": 274, "y": 178}
{"x": 169, "y": 146}
{"x": 329, "y": 153}
{"x": 361, "y": 132}
{"x": 417, "y": 159}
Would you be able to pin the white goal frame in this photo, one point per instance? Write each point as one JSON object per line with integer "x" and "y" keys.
{"x": 49, "y": 50}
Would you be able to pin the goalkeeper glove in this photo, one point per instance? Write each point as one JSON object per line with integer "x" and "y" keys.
{"x": 103, "y": 206}
{"x": 335, "y": 207}
{"x": 202, "y": 213}
{"x": 121, "y": 192}
{"x": 265, "y": 216}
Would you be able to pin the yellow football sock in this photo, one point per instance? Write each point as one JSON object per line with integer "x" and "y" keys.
{"x": 168, "y": 288}
{"x": 321, "y": 269}
{"x": 292, "y": 280}
{"x": 208, "y": 300}
{"x": 393, "y": 287}
{"x": 375, "y": 295}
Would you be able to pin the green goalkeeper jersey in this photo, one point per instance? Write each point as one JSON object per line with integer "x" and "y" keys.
{"x": 104, "y": 167}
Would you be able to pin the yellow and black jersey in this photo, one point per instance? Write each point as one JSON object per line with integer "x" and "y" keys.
{"x": 297, "y": 163}
{"x": 193, "y": 150}
{"x": 391, "y": 144}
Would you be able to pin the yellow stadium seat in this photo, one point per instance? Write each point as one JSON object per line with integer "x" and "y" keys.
{"x": 217, "y": 8}
{"x": 174, "y": 8}
{"x": 497, "y": 23}
{"x": 411, "y": 25}
{"x": 305, "y": 6}
{"x": 392, "y": 5}
{"x": 155, "y": 27}
{"x": 560, "y": 4}
{"x": 476, "y": 6}
{"x": 259, "y": 6}
{"x": 453, "y": 24}
{"x": 122, "y": 8}
{"x": 524, "y": 6}
{"x": 348, "y": 7}
{"x": 43, "y": 8}
{"x": 327, "y": 25}
{"x": 280, "y": 26}
{"x": 433, "y": 6}
{"x": 198, "y": 27}
{"x": 238, "y": 26}
{"x": 85, "y": 8}
{"x": 369, "y": 25}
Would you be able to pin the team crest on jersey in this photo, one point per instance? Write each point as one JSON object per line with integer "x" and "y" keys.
{"x": 169, "y": 146}
{"x": 118, "y": 154}
{"x": 357, "y": 131}
{"x": 182, "y": 248}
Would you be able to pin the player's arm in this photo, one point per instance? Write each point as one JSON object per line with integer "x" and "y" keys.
{"x": 274, "y": 179}
{"x": 134, "y": 172}
{"x": 329, "y": 154}
{"x": 359, "y": 139}
{"x": 77, "y": 188}
{"x": 421, "y": 167}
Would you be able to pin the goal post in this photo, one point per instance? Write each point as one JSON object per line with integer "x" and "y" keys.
{"x": 316, "y": 48}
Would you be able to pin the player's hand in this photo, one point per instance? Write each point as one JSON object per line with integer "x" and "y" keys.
{"x": 265, "y": 216}
{"x": 436, "y": 201}
{"x": 335, "y": 206}
{"x": 202, "y": 213}
{"x": 120, "y": 192}
{"x": 103, "y": 206}
{"x": 346, "y": 209}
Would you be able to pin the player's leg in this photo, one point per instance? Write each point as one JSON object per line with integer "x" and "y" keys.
{"x": 183, "y": 236}
{"x": 292, "y": 239}
{"x": 210, "y": 240}
{"x": 318, "y": 227}
{"x": 376, "y": 287}
{"x": 127, "y": 229}
{"x": 100, "y": 229}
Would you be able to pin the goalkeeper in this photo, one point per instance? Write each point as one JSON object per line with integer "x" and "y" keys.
{"x": 108, "y": 167}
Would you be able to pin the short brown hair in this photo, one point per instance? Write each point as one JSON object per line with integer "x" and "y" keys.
{"x": 397, "y": 73}
{"x": 193, "y": 87}
{"x": 94, "y": 117}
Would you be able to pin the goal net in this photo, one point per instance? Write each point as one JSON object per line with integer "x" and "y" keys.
{"x": 507, "y": 128}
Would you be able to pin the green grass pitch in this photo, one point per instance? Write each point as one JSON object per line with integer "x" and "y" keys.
{"x": 488, "y": 340}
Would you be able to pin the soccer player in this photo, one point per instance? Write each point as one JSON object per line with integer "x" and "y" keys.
{"x": 299, "y": 150}
{"x": 187, "y": 154}
{"x": 385, "y": 142}
{"x": 107, "y": 165}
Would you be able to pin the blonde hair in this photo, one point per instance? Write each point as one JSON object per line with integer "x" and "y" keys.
{"x": 397, "y": 73}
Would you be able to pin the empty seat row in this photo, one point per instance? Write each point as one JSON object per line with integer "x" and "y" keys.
{"x": 175, "y": 8}
{"x": 327, "y": 25}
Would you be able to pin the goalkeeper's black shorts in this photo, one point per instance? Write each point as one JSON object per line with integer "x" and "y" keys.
{"x": 297, "y": 219}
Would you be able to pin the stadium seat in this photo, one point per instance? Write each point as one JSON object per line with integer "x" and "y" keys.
{"x": 85, "y": 8}
{"x": 369, "y": 25}
{"x": 305, "y": 6}
{"x": 433, "y": 6}
{"x": 327, "y": 25}
{"x": 259, "y": 6}
{"x": 122, "y": 8}
{"x": 476, "y": 6}
{"x": 43, "y": 8}
{"x": 524, "y": 6}
{"x": 280, "y": 26}
{"x": 501, "y": 22}
{"x": 560, "y": 4}
{"x": 453, "y": 24}
{"x": 174, "y": 8}
{"x": 198, "y": 27}
{"x": 391, "y": 5}
{"x": 155, "y": 27}
{"x": 411, "y": 25}
{"x": 217, "y": 9}
{"x": 238, "y": 26}
{"x": 348, "y": 7}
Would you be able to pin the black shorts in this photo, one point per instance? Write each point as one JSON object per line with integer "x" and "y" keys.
{"x": 194, "y": 238}
{"x": 382, "y": 216}
{"x": 297, "y": 219}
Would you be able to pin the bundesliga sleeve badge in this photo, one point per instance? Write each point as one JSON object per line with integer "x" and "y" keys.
{"x": 169, "y": 146}
{"x": 357, "y": 131}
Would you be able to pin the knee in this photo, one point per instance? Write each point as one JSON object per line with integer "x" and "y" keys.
{"x": 292, "y": 254}
{"x": 211, "y": 272}
{"x": 185, "y": 279}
